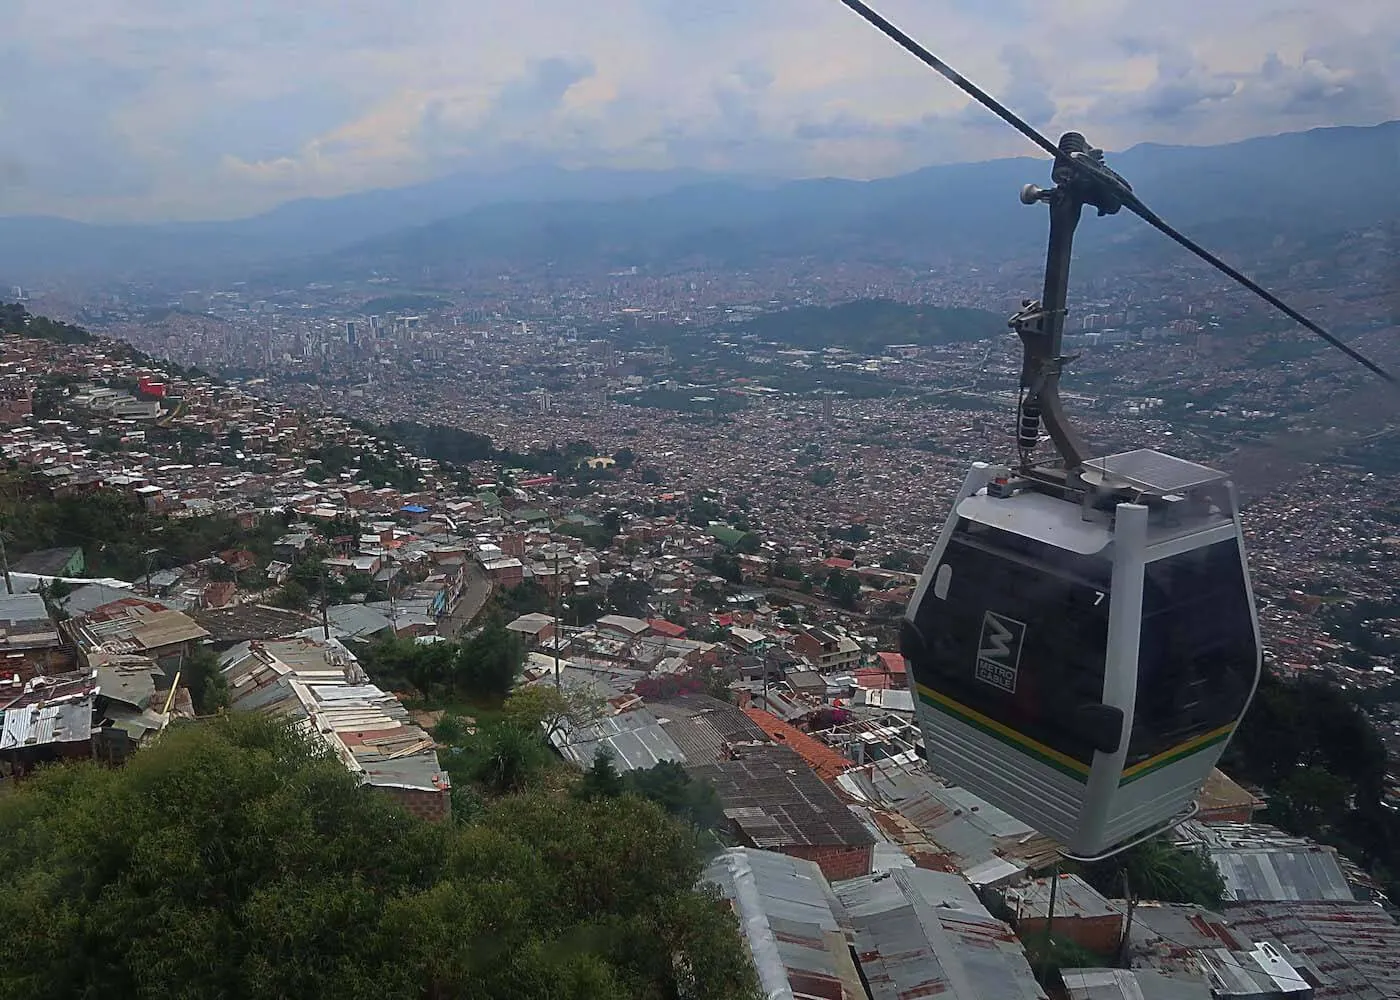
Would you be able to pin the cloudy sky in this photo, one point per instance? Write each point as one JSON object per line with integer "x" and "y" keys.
{"x": 154, "y": 109}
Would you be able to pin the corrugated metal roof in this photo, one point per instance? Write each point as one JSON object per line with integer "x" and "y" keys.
{"x": 703, "y": 727}
{"x": 22, "y": 609}
{"x": 68, "y": 721}
{"x": 1129, "y": 984}
{"x": 788, "y": 917}
{"x": 888, "y": 854}
{"x": 352, "y": 621}
{"x": 636, "y": 739}
{"x": 1266, "y": 875}
{"x": 243, "y": 622}
{"x": 1261, "y": 863}
{"x": 368, "y": 728}
{"x": 1351, "y": 948}
{"x": 1073, "y": 898}
{"x": 919, "y": 933}
{"x": 976, "y": 836}
{"x": 776, "y": 800}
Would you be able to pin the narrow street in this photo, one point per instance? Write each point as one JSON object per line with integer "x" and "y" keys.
{"x": 475, "y": 592}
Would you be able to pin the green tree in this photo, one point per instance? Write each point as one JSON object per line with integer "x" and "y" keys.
{"x": 450, "y": 729}
{"x": 292, "y": 595}
{"x": 525, "y": 597}
{"x": 490, "y": 662}
{"x": 625, "y": 458}
{"x": 1157, "y": 869}
{"x": 843, "y": 588}
{"x": 201, "y": 674}
{"x": 749, "y": 544}
{"x": 1310, "y": 800}
{"x": 630, "y": 596}
{"x": 601, "y": 780}
{"x": 55, "y": 594}
{"x": 511, "y": 758}
{"x": 673, "y": 789}
{"x": 237, "y": 859}
{"x": 543, "y": 707}
{"x": 727, "y": 567}
{"x": 431, "y": 668}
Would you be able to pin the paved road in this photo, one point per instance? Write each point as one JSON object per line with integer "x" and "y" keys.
{"x": 475, "y": 593}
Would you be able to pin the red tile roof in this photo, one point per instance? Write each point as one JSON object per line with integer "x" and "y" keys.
{"x": 834, "y": 563}
{"x": 669, "y": 629}
{"x": 876, "y": 680}
{"x": 892, "y": 663}
{"x": 826, "y": 762}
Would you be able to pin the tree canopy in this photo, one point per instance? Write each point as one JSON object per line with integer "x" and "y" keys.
{"x": 482, "y": 668}
{"x": 116, "y": 532}
{"x": 238, "y": 859}
{"x": 1157, "y": 869}
{"x": 14, "y": 318}
{"x": 1323, "y": 768}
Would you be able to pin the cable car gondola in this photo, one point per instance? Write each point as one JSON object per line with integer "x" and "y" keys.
{"x": 1083, "y": 641}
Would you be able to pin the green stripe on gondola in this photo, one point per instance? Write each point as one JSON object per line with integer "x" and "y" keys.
{"x": 1176, "y": 753}
{"x": 1049, "y": 756}
{"x": 1061, "y": 762}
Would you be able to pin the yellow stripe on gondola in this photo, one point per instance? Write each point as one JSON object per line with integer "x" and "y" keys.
{"x": 1174, "y": 753}
{"x": 1063, "y": 762}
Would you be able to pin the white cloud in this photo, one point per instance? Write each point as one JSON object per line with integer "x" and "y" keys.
{"x": 207, "y": 108}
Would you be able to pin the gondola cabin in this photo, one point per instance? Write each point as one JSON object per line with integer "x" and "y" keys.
{"x": 1081, "y": 653}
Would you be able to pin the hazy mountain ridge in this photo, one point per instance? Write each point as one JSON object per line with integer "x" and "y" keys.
{"x": 1317, "y": 181}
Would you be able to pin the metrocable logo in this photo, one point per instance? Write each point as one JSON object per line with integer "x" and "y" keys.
{"x": 999, "y": 651}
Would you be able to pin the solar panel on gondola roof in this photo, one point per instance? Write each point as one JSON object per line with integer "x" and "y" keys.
{"x": 1154, "y": 471}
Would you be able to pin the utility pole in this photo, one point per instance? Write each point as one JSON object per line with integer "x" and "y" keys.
{"x": 1125, "y": 953}
{"x": 558, "y": 623}
{"x": 325, "y": 605}
{"x": 150, "y": 557}
{"x": 1049, "y": 927}
{"x": 5, "y": 563}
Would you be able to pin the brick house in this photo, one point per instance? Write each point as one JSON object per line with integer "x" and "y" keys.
{"x": 828, "y": 650}
{"x": 30, "y": 643}
{"x": 1082, "y": 915}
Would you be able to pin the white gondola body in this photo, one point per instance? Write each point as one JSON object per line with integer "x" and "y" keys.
{"x": 1034, "y": 610}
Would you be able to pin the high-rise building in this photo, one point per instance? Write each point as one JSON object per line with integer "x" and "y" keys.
{"x": 350, "y": 333}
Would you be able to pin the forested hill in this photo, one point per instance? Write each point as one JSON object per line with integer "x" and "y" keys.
{"x": 15, "y": 319}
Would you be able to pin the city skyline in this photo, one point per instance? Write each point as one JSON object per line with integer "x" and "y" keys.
{"x": 140, "y": 110}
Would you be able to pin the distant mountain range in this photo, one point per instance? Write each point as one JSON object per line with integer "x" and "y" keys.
{"x": 1296, "y": 184}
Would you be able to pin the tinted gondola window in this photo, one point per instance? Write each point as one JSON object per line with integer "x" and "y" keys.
{"x": 1198, "y": 654}
{"x": 1020, "y": 636}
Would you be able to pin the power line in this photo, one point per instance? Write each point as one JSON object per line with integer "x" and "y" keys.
{"x": 1135, "y": 205}
{"x": 1129, "y": 200}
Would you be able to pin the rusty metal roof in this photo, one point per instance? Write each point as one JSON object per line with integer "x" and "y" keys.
{"x": 920, "y": 933}
{"x": 777, "y": 801}
{"x": 1350, "y": 948}
{"x": 791, "y": 922}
